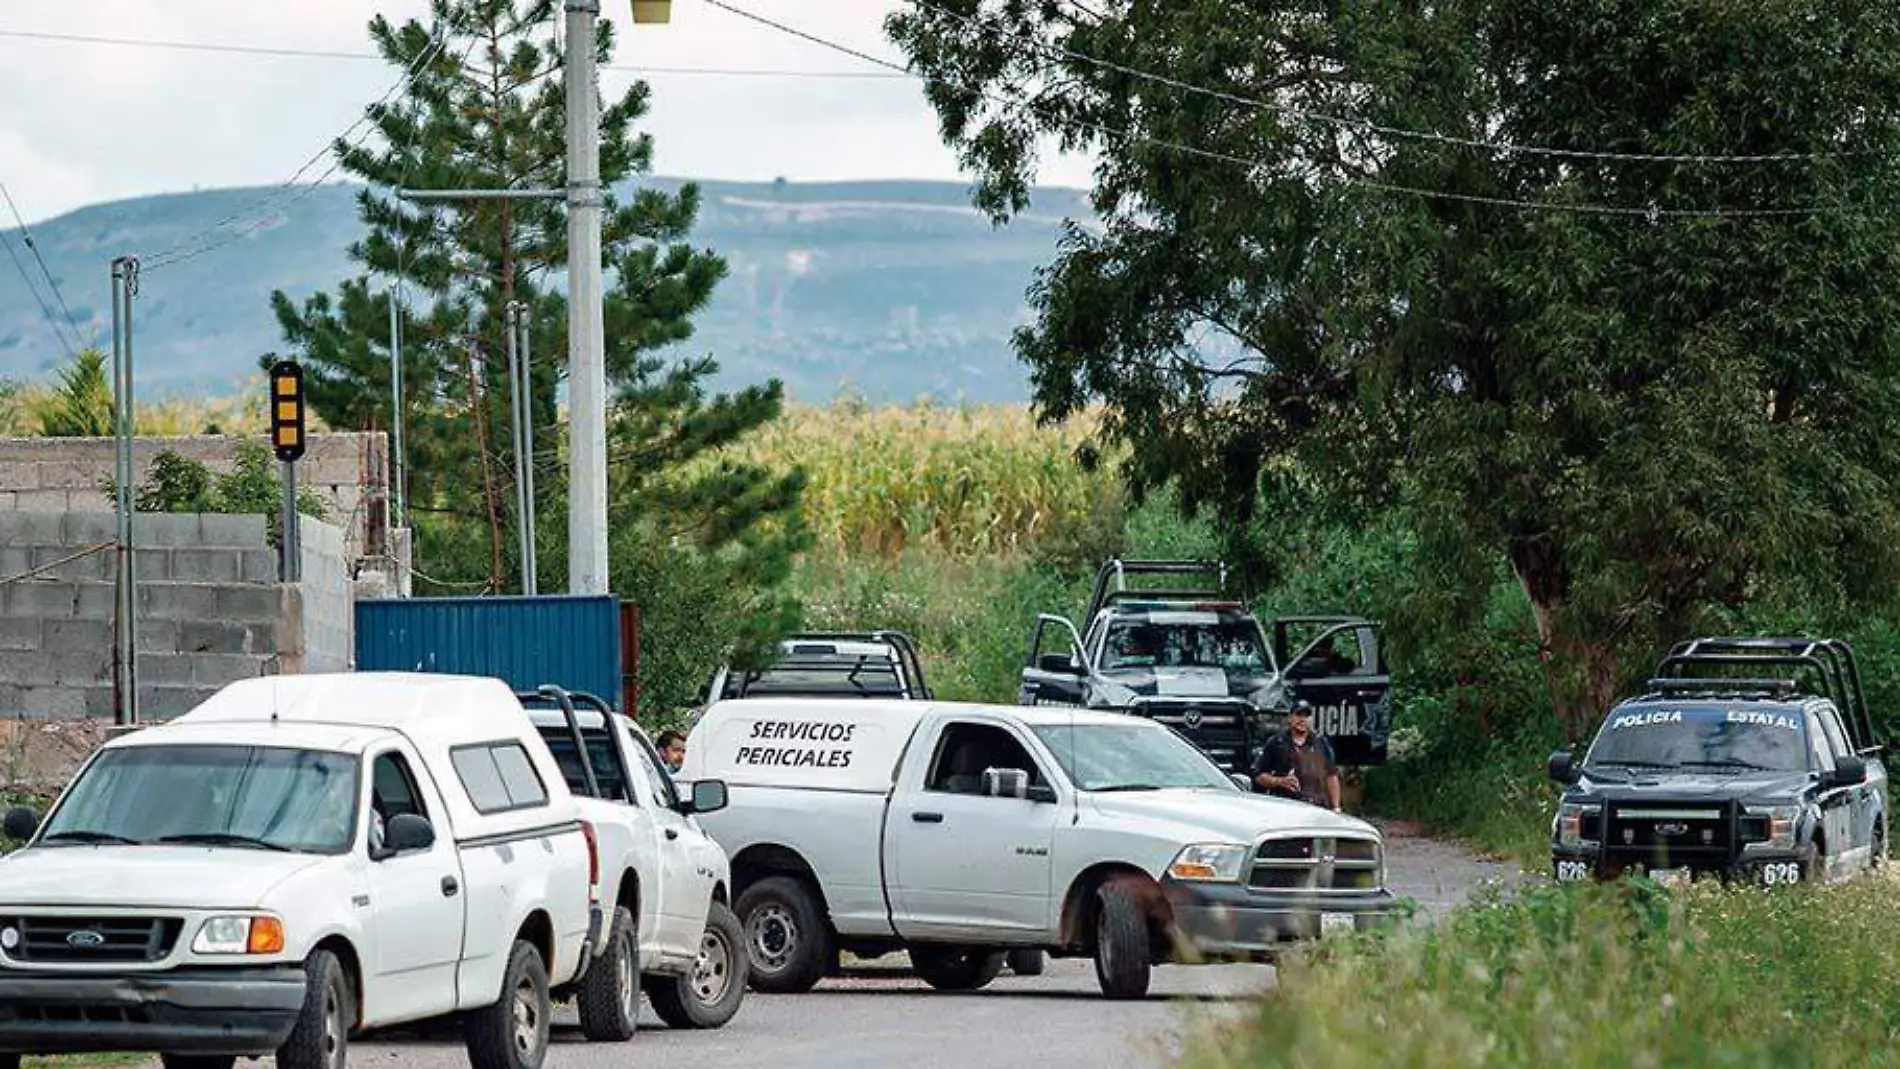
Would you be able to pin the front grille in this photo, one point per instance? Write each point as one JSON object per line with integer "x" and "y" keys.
{"x": 1217, "y": 729}
{"x": 76, "y": 1013}
{"x": 1665, "y": 833}
{"x": 83, "y": 940}
{"x": 1319, "y": 864}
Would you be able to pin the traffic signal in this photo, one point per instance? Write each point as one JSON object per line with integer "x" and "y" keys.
{"x": 286, "y": 410}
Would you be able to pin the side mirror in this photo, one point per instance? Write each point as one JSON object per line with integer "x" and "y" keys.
{"x": 1241, "y": 781}
{"x": 1849, "y": 771}
{"x": 406, "y": 832}
{"x": 1060, "y": 663}
{"x": 709, "y": 796}
{"x": 1562, "y": 768}
{"x": 21, "y": 823}
{"x": 1005, "y": 783}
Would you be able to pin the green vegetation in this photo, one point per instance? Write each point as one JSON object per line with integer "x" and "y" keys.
{"x": 1622, "y": 975}
{"x": 82, "y": 405}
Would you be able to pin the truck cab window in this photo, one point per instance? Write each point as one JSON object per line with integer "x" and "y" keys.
{"x": 499, "y": 777}
{"x": 1818, "y": 747}
{"x": 658, "y": 785}
{"x": 392, "y": 793}
{"x": 1836, "y": 736}
{"x": 968, "y": 749}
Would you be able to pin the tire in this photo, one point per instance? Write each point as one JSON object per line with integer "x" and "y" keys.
{"x": 513, "y": 1032}
{"x": 787, "y": 936}
{"x": 1027, "y": 961}
{"x": 708, "y": 996}
{"x": 321, "y": 1038}
{"x": 609, "y": 995}
{"x": 170, "y": 1061}
{"x": 949, "y": 968}
{"x": 1122, "y": 951}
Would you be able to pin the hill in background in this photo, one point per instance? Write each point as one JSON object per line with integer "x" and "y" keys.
{"x": 896, "y": 290}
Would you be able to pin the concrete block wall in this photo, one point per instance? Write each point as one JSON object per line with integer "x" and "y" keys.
{"x": 210, "y": 610}
{"x": 348, "y": 470}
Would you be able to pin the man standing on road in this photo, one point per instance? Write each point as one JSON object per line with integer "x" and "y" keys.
{"x": 1299, "y": 764}
{"x": 672, "y": 751}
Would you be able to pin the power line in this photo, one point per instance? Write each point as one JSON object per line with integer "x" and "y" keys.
{"x": 177, "y": 253}
{"x": 26, "y": 237}
{"x": 1371, "y": 127}
{"x": 45, "y": 309}
{"x": 1650, "y": 212}
{"x": 312, "y": 53}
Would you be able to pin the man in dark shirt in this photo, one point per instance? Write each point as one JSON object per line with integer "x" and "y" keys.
{"x": 1299, "y": 764}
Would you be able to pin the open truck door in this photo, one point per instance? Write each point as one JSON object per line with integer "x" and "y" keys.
{"x": 1056, "y": 673}
{"x": 1338, "y": 664}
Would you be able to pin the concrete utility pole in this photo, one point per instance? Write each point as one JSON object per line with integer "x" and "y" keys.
{"x": 587, "y": 366}
{"x": 587, "y": 343}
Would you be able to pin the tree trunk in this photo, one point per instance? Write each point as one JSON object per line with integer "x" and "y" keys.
{"x": 1579, "y": 674}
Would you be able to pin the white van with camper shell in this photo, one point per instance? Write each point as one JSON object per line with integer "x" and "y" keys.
{"x": 298, "y": 859}
{"x": 959, "y": 832}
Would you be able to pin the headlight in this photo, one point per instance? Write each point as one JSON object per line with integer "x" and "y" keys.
{"x": 1576, "y": 824}
{"x": 240, "y": 935}
{"x": 1781, "y": 821}
{"x": 1209, "y": 862}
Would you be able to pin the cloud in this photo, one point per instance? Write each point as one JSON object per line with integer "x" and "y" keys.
{"x": 90, "y": 122}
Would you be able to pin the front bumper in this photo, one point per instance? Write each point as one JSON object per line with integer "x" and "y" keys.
{"x": 1759, "y": 865}
{"x": 1229, "y": 921}
{"x": 198, "y": 1011}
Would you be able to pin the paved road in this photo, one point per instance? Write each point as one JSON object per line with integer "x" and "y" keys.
{"x": 878, "y": 1017}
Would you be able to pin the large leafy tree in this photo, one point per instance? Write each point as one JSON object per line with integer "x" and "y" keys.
{"x": 1364, "y": 256}
{"x": 484, "y": 109}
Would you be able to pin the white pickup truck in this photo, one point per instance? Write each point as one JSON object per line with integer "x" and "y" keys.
{"x": 673, "y": 930}
{"x": 298, "y": 859}
{"x": 958, "y": 832}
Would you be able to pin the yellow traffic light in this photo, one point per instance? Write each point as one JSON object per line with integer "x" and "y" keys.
{"x": 287, "y": 410}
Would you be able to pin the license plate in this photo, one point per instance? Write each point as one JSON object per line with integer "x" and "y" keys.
{"x": 1335, "y": 924}
{"x": 1670, "y": 877}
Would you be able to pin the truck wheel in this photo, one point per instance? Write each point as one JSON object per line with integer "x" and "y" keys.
{"x": 513, "y": 1032}
{"x": 321, "y": 1039}
{"x": 956, "y": 968}
{"x": 708, "y": 996}
{"x": 609, "y": 999}
{"x": 787, "y": 938}
{"x": 1026, "y": 961}
{"x": 1121, "y": 943}
{"x": 169, "y": 1061}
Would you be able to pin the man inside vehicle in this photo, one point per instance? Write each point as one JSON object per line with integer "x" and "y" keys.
{"x": 1298, "y": 763}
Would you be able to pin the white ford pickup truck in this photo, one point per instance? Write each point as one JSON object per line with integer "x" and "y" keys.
{"x": 298, "y": 859}
{"x": 666, "y": 879}
{"x": 957, "y": 832}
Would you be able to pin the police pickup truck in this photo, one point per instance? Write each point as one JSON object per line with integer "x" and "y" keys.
{"x": 958, "y": 832}
{"x": 1201, "y": 664}
{"x": 1760, "y": 779}
{"x": 831, "y": 664}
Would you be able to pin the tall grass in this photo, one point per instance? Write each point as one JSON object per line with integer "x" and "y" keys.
{"x": 1625, "y": 975}
{"x": 241, "y": 413}
{"x": 969, "y": 481}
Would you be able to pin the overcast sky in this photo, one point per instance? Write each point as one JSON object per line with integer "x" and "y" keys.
{"x": 84, "y": 123}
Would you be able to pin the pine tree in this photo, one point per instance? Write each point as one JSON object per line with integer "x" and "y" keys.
{"x": 485, "y": 110}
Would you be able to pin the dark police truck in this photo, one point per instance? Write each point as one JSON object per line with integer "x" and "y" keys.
{"x": 1749, "y": 759}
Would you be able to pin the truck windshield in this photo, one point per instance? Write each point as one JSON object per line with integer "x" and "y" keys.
{"x": 1135, "y": 757}
{"x": 1157, "y": 642}
{"x": 1701, "y": 737}
{"x": 256, "y": 797}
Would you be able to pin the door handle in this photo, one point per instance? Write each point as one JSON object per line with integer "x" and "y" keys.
{"x": 672, "y": 833}
{"x": 927, "y": 818}
{"x": 450, "y": 887}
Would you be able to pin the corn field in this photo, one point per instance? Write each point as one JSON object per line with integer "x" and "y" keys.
{"x": 971, "y": 481}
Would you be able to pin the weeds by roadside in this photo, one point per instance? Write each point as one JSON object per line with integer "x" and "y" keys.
{"x": 1620, "y": 975}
